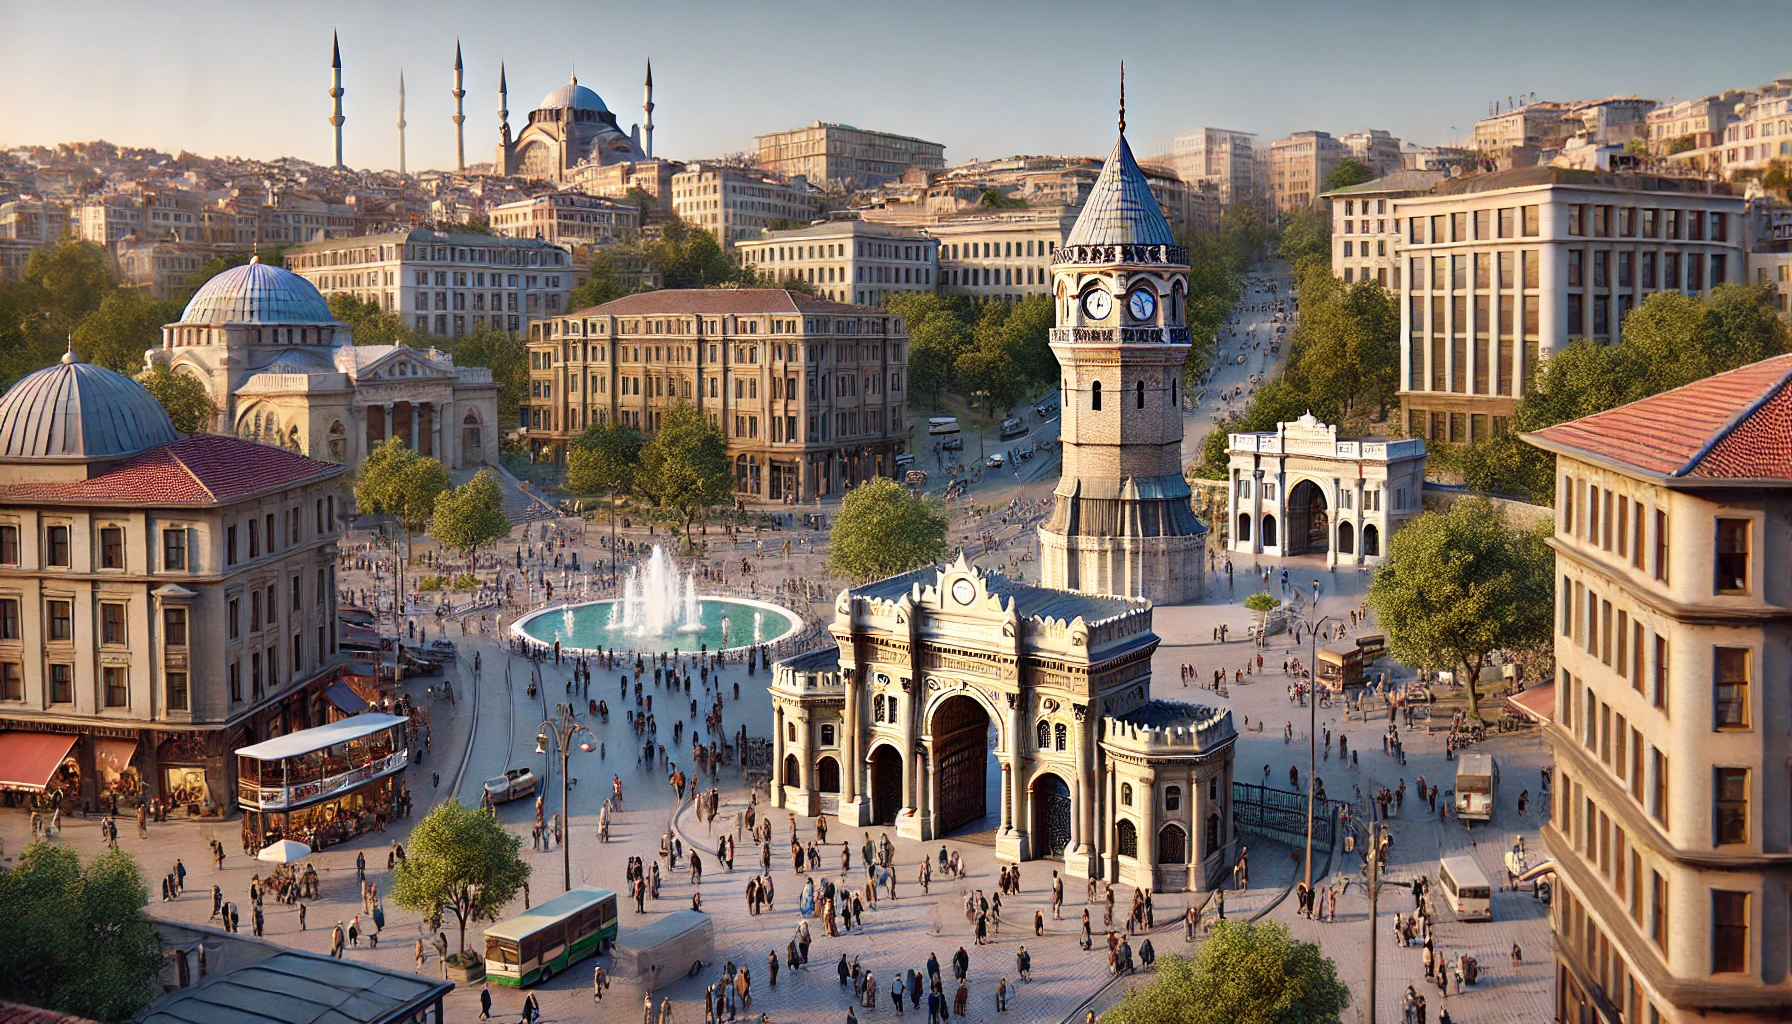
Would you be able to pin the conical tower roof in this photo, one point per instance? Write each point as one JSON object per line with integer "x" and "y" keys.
{"x": 1120, "y": 209}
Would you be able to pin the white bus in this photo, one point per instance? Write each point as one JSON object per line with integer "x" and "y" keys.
{"x": 942, "y": 425}
{"x": 1477, "y": 786}
{"x": 1467, "y": 889}
{"x": 550, "y": 937}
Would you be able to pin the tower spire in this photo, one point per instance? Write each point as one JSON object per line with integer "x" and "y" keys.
{"x": 460, "y": 117}
{"x": 401, "y": 121}
{"x": 647, "y": 108}
{"x": 336, "y": 117}
{"x": 1123, "y": 96}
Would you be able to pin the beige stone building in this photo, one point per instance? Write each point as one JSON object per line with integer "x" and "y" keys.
{"x": 1004, "y": 255}
{"x": 1303, "y": 490}
{"x": 1365, "y": 231}
{"x": 1373, "y": 148}
{"x": 1668, "y": 813}
{"x": 161, "y": 269}
{"x": 1503, "y": 269}
{"x": 1225, "y": 159}
{"x": 163, "y": 600}
{"x": 891, "y": 725}
{"x": 1531, "y": 127}
{"x": 1760, "y": 132}
{"x": 566, "y": 219}
{"x": 1299, "y": 168}
{"x": 848, "y": 260}
{"x": 844, "y": 156}
{"x": 735, "y": 204}
{"x": 33, "y": 221}
{"x": 811, "y": 395}
{"x": 1121, "y": 521}
{"x": 1691, "y": 124}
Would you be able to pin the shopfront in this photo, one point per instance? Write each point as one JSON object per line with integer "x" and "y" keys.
{"x": 323, "y": 785}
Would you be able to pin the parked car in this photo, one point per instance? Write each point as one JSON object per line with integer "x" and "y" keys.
{"x": 512, "y": 785}
{"x": 995, "y": 461}
{"x": 952, "y": 444}
{"x": 1013, "y": 426}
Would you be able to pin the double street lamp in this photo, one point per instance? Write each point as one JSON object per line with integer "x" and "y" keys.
{"x": 1313, "y": 684}
{"x": 562, "y": 733}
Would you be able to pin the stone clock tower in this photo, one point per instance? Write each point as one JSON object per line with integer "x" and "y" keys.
{"x": 1121, "y": 521}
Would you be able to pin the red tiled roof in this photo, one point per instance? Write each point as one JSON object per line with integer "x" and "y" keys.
{"x": 1733, "y": 425}
{"x": 721, "y": 301}
{"x": 19, "y": 1013}
{"x": 201, "y": 470}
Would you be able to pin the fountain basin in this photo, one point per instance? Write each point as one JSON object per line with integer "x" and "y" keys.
{"x": 586, "y": 626}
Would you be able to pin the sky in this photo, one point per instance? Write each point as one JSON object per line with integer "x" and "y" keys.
{"x": 987, "y": 79}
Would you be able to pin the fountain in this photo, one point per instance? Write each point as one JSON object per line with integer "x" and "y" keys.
{"x": 659, "y": 610}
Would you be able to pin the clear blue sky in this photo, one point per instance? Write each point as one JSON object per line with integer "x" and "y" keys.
{"x": 987, "y": 79}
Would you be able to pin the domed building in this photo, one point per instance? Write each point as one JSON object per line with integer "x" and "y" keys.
{"x": 283, "y": 370}
{"x": 163, "y": 599}
{"x": 570, "y": 127}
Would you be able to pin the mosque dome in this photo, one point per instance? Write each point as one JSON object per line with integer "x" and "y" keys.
{"x": 575, "y": 96}
{"x": 78, "y": 411}
{"x": 257, "y": 293}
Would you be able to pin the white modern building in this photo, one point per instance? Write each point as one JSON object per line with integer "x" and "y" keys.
{"x": 849, "y": 260}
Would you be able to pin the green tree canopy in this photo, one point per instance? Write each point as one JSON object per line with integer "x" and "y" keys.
{"x": 73, "y": 276}
{"x": 1306, "y": 235}
{"x": 1244, "y": 974}
{"x": 685, "y": 467}
{"x": 375, "y": 326}
{"x": 881, "y": 530}
{"x": 460, "y": 860}
{"x": 470, "y": 516}
{"x": 603, "y": 459}
{"x": 397, "y": 482}
{"x": 182, "y": 396}
{"x": 1461, "y": 584}
{"x": 507, "y": 356}
{"x": 1349, "y": 172}
{"x": 126, "y": 324}
{"x": 83, "y": 944}
{"x": 687, "y": 257}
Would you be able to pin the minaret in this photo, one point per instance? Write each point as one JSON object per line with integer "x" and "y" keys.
{"x": 336, "y": 117}
{"x": 401, "y": 120}
{"x": 460, "y": 117}
{"x": 647, "y": 107}
{"x": 503, "y": 164}
{"x": 1121, "y": 522}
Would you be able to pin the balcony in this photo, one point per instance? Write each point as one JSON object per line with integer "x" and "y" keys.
{"x": 274, "y": 798}
{"x": 1120, "y": 336}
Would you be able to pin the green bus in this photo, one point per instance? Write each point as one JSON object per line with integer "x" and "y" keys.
{"x": 547, "y": 939}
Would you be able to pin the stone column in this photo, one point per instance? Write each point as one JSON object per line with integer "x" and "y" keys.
{"x": 416, "y": 443}
{"x": 1007, "y": 795}
{"x": 1256, "y": 512}
{"x": 389, "y": 421}
{"x": 1334, "y": 517}
{"x": 1356, "y": 521}
{"x": 804, "y": 754}
{"x": 1080, "y": 858}
{"x": 1109, "y": 821}
{"x": 908, "y": 753}
{"x": 1147, "y": 876}
{"x": 436, "y": 434}
{"x": 778, "y": 755}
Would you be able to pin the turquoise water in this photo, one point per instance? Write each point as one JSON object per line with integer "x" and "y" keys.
{"x": 589, "y": 627}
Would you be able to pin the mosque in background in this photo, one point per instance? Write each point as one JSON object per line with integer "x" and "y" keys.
{"x": 933, "y": 671}
{"x": 571, "y": 127}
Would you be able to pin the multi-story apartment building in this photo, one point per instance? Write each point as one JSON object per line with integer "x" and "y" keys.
{"x": 1003, "y": 255}
{"x": 566, "y": 218}
{"x": 1374, "y": 148}
{"x": 14, "y": 254}
{"x": 161, "y": 269}
{"x": 1761, "y": 130}
{"x": 163, "y": 600}
{"x": 848, "y": 260}
{"x": 734, "y": 204}
{"x": 1225, "y": 159}
{"x": 844, "y": 156}
{"x": 1365, "y": 229}
{"x": 1503, "y": 269}
{"x": 296, "y": 220}
{"x": 446, "y": 284}
{"x": 1691, "y": 124}
{"x": 1770, "y": 249}
{"x": 811, "y": 395}
{"x": 1534, "y": 127}
{"x": 40, "y": 223}
{"x": 1668, "y": 812}
{"x": 629, "y": 178}
{"x": 1299, "y": 167}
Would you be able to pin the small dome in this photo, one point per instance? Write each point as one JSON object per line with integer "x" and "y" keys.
{"x": 257, "y": 293}
{"x": 573, "y": 95}
{"x": 79, "y": 411}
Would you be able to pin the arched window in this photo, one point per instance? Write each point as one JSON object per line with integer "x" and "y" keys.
{"x": 1244, "y": 526}
{"x": 877, "y": 708}
{"x": 1172, "y": 845}
{"x": 1371, "y": 540}
{"x": 792, "y": 773}
{"x": 1095, "y": 397}
{"x": 1126, "y": 794}
{"x": 1139, "y": 389}
{"x": 790, "y": 732}
{"x": 1061, "y": 735}
{"x": 1172, "y": 798}
{"x": 827, "y": 775}
{"x": 827, "y": 735}
{"x": 1042, "y": 734}
{"x": 1346, "y": 538}
{"x": 1126, "y": 839}
{"x": 1269, "y": 531}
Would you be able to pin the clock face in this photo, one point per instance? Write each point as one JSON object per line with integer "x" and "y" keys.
{"x": 1097, "y": 304}
{"x": 964, "y": 592}
{"x": 1141, "y": 303}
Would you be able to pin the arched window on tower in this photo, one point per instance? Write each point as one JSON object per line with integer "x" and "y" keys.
{"x": 1095, "y": 397}
{"x": 1061, "y": 736}
{"x": 1140, "y": 390}
{"x": 877, "y": 708}
{"x": 1126, "y": 839}
{"x": 1043, "y": 735}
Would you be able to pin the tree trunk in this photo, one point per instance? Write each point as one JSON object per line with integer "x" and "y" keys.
{"x": 1472, "y": 669}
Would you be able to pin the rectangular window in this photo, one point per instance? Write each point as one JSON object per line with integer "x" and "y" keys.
{"x": 1658, "y": 910}
{"x": 1729, "y": 932}
{"x": 111, "y": 547}
{"x": 12, "y": 681}
{"x": 1732, "y": 556}
{"x": 112, "y": 624}
{"x": 1730, "y": 687}
{"x": 9, "y": 618}
{"x": 9, "y": 545}
{"x": 1661, "y": 545}
{"x": 177, "y": 691}
{"x": 62, "y": 684}
{"x": 1658, "y": 795}
{"x": 174, "y": 627}
{"x": 117, "y": 686}
{"x": 1660, "y": 696}
{"x": 56, "y": 546}
{"x": 174, "y": 550}
{"x": 1730, "y": 800}
{"x": 61, "y": 623}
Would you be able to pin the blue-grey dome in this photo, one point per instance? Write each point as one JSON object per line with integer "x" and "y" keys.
{"x": 76, "y": 410}
{"x": 573, "y": 95}
{"x": 257, "y": 293}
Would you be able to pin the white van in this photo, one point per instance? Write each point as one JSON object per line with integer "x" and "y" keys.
{"x": 942, "y": 425}
{"x": 1477, "y": 786}
{"x": 1468, "y": 890}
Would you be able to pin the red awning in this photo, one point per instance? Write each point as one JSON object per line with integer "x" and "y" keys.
{"x": 28, "y": 759}
{"x": 1538, "y": 703}
{"x": 113, "y": 755}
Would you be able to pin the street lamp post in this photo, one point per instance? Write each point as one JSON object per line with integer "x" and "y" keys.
{"x": 1312, "y": 726}
{"x": 1375, "y": 832}
{"x": 562, "y": 733}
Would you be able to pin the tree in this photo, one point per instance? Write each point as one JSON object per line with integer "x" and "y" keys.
{"x": 1349, "y": 172}
{"x": 882, "y": 530}
{"x": 1306, "y": 235}
{"x": 604, "y": 458}
{"x": 462, "y": 860}
{"x": 471, "y": 515}
{"x": 996, "y": 199}
{"x": 687, "y": 257}
{"x": 507, "y": 356}
{"x": 1461, "y": 584}
{"x": 1244, "y": 974}
{"x": 397, "y": 482}
{"x": 685, "y": 467}
{"x": 74, "y": 277}
{"x": 182, "y": 396}
{"x": 126, "y": 324}
{"x": 86, "y": 945}
{"x": 373, "y": 325}
{"x": 1262, "y": 603}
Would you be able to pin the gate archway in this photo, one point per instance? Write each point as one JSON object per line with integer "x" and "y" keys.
{"x": 1051, "y": 815}
{"x": 886, "y": 784}
{"x": 960, "y": 730}
{"x": 1309, "y": 525}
